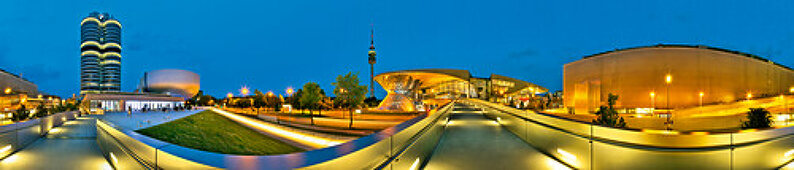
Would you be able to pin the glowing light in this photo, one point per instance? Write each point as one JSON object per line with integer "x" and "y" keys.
{"x": 302, "y": 138}
{"x": 652, "y": 94}
{"x": 54, "y": 130}
{"x": 668, "y": 78}
{"x": 229, "y": 95}
{"x": 358, "y": 111}
{"x": 244, "y": 90}
{"x": 700, "y": 133}
{"x": 5, "y": 149}
{"x": 8, "y": 90}
{"x": 789, "y": 153}
{"x": 12, "y": 158}
{"x": 290, "y": 91}
{"x": 749, "y": 95}
{"x": 270, "y": 94}
{"x": 663, "y": 132}
{"x": 113, "y": 158}
{"x": 499, "y": 119}
{"x": 415, "y": 165}
{"x": 555, "y": 165}
{"x": 701, "y": 94}
{"x": 791, "y": 90}
{"x": 567, "y": 156}
{"x": 782, "y": 117}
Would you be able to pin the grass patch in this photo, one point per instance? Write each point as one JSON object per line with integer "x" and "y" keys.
{"x": 209, "y": 131}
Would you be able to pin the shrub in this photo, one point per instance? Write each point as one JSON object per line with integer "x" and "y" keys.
{"x": 757, "y": 118}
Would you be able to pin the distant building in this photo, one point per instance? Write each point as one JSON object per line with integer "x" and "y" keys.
{"x": 123, "y": 101}
{"x": 16, "y": 91}
{"x": 408, "y": 89}
{"x": 100, "y": 57}
{"x": 671, "y": 77}
{"x": 179, "y": 83}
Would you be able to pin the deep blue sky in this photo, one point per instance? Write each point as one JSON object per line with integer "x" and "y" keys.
{"x": 271, "y": 45}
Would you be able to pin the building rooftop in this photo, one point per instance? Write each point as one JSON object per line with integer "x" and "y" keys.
{"x": 691, "y": 46}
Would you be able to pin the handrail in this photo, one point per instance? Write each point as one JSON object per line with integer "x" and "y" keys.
{"x": 589, "y": 146}
{"x": 414, "y": 138}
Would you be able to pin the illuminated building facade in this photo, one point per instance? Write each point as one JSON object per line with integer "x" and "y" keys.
{"x": 100, "y": 57}
{"x": 670, "y": 77}
{"x": 121, "y": 101}
{"x": 408, "y": 90}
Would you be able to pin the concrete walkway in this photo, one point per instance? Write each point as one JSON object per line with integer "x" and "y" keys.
{"x": 70, "y": 146}
{"x": 471, "y": 141}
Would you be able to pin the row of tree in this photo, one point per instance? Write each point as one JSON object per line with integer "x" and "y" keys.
{"x": 23, "y": 113}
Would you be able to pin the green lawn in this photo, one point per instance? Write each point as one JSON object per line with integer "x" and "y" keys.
{"x": 209, "y": 131}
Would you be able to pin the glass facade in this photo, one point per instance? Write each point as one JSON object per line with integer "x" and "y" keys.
{"x": 100, "y": 64}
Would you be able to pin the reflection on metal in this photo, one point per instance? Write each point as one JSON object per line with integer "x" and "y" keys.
{"x": 398, "y": 89}
{"x": 174, "y": 82}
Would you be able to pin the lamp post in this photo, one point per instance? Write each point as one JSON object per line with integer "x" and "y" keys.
{"x": 653, "y": 100}
{"x": 700, "y": 96}
{"x": 668, "y": 79}
{"x": 229, "y": 98}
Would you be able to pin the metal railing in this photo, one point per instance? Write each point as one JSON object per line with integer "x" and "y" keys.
{"x": 587, "y": 146}
{"x": 14, "y": 137}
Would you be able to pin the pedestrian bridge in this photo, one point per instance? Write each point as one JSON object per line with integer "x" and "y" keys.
{"x": 474, "y": 134}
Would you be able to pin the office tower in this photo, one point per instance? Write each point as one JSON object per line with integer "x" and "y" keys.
{"x": 100, "y": 37}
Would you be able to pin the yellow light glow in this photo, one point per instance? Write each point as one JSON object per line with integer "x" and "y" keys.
{"x": 567, "y": 156}
{"x": 299, "y": 137}
{"x": 700, "y": 133}
{"x": 701, "y": 94}
{"x": 269, "y": 93}
{"x": 113, "y": 158}
{"x": 789, "y": 153}
{"x": 94, "y": 43}
{"x": 89, "y": 19}
{"x": 653, "y": 94}
{"x": 749, "y": 95}
{"x": 668, "y": 78}
{"x": 54, "y": 130}
{"x": 290, "y": 91}
{"x": 554, "y": 165}
{"x": 415, "y": 165}
{"x": 90, "y": 52}
{"x": 229, "y": 95}
{"x": 791, "y": 90}
{"x": 664, "y": 132}
{"x": 11, "y": 159}
{"x": 244, "y": 91}
{"x": 8, "y": 90}
{"x": 5, "y": 149}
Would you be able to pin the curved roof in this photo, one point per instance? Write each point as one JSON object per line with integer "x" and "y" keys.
{"x": 427, "y": 77}
{"x": 519, "y": 84}
{"x": 690, "y": 46}
{"x": 462, "y": 74}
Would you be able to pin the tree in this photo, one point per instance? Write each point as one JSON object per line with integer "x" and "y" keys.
{"x": 607, "y": 116}
{"x": 310, "y": 97}
{"x": 272, "y": 101}
{"x": 259, "y": 100}
{"x": 349, "y": 93}
{"x": 41, "y": 111}
{"x": 20, "y": 114}
{"x": 758, "y": 118}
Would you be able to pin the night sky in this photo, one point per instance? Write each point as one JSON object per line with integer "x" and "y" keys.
{"x": 271, "y": 45}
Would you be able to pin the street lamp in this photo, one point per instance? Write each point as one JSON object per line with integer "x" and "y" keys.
{"x": 244, "y": 91}
{"x": 8, "y": 90}
{"x": 700, "y": 95}
{"x": 653, "y": 99}
{"x": 668, "y": 79}
{"x": 229, "y": 98}
{"x": 269, "y": 93}
{"x": 290, "y": 91}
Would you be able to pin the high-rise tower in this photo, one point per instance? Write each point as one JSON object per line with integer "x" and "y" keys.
{"x": 371, "y": 54}
{"x": 100, "y": 57}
